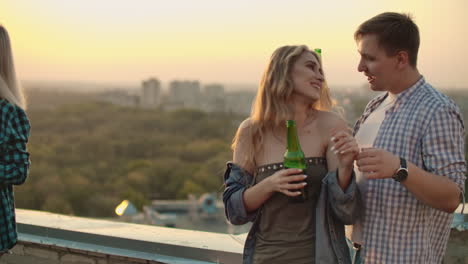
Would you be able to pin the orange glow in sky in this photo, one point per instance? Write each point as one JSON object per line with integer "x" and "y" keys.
{"x": 119, "y": 41}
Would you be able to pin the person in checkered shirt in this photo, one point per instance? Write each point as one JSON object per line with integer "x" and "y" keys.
{"x": 14, "y": 134}
{"x": 411, "y": 169}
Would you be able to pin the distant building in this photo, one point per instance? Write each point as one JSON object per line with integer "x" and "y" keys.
{"x": 119, "y": 97}
{"x": 183, "y": 94}
{"x": 239, "y": 102}
{"x": 151, "y": 93}
{"x": 213, "y": 99}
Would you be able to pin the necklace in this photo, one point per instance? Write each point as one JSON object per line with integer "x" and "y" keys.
{"x": 278, "y": 138}
{"x": 309, "y": 119}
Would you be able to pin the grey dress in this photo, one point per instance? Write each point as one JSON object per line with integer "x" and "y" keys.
{"x": 286, "y": 230}
{"x": 335, "y": 208}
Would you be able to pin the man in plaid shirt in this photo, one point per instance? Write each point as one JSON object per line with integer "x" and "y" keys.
{"x": 412, "y": 167}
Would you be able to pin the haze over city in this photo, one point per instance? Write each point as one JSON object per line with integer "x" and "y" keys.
{"x": 227, "y": 42}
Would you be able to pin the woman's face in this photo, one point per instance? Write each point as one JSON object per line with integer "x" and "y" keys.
{"x": 307, "y": 76}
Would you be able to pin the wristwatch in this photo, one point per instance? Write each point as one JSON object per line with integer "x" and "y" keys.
{"x": 402, "y": 173}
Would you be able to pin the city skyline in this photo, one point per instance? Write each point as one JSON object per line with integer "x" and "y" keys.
{"x": 215, "y": 41}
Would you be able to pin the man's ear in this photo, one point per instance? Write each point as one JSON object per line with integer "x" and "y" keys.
{"x": 402, "y": 59}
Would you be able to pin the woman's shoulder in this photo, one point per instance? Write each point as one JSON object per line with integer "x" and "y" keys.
{"x": 11, "y": 113}
{"x": 8, "y": 111}
{"x": 6, "y": 106}
{"x": 244, "y": 127}
{"x": 330, "y": 122}
{"x": 329, "y": 119}
{"x": 246, "y": 123}
{"x": 13, "y": 121}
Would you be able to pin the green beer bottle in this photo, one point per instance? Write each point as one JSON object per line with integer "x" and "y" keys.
{"x": 294, "y": 158}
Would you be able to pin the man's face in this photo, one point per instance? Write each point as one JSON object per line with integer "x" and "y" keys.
{"x": 380, "y": 69}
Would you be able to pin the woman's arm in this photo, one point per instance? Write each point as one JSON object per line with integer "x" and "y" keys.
{"x": 238, "y": 192}
{"x": 342, "y": 149}
{"x": 14, "y": 160}
{"x": 343, "y": 194}
{"x": 255, "y": 196}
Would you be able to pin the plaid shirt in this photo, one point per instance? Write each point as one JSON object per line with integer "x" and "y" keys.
{"x": 426, "y": 128}
{"x": 14, "y": 167}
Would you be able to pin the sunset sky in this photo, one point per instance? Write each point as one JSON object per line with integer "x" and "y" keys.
{"x": 124, "y": 42}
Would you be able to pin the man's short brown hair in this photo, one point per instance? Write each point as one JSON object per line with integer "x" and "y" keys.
{"x": 395, "y": 32}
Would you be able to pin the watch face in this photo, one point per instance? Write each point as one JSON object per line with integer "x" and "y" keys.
{"x": 401, "y": 175}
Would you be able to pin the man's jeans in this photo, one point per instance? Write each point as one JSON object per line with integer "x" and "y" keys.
{"x": 355, "y": 253}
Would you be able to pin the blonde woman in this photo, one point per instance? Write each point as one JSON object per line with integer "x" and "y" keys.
{"x": 14, "y": 134}
{"x": 257, "y": 187}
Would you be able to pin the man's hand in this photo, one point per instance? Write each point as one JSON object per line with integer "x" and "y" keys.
{"x": 377, "y": 163}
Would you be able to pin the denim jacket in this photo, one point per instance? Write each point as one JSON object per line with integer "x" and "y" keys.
{"x": 335, "y": 208}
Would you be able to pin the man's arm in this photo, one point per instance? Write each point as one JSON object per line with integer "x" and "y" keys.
{"x": 436, "y": 191}
{"x": 441, "y": 182}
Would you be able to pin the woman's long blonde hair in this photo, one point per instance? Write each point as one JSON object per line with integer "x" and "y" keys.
{"x": 270, "y": 108}
{"x": 10, "y": 90}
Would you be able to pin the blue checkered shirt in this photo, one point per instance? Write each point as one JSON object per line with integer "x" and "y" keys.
{"x": 14, "y": 167}
{"x": 426, "y": 128}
